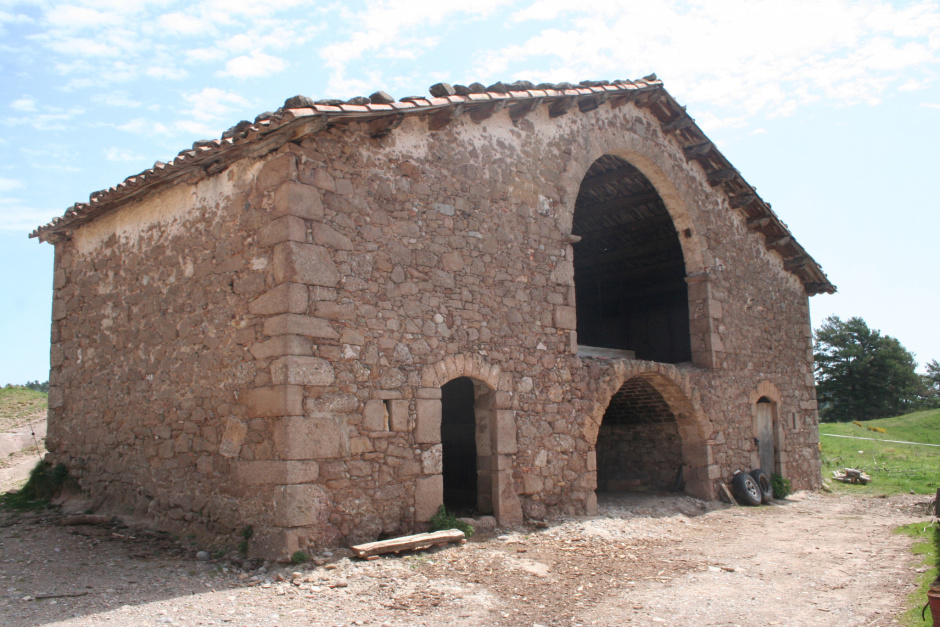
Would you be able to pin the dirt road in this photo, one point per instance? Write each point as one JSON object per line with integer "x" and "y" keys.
{"x": 814, "y": 560}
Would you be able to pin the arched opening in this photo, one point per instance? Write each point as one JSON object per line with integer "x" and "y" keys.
{"x": 466, "y": 416}
{"x": 639, "y": 446}
{"x": 628, "y": 266}
{"x": 765, "y": 423}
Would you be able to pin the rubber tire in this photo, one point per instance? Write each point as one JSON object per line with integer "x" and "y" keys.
{"x": 746, "y": 489}
{"x": 763, "y": 482}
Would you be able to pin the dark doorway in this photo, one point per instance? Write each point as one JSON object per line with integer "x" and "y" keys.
{"x": 458, "y": 444}
{"x": 628, "y": 266}
{"x": 638, "y": 444}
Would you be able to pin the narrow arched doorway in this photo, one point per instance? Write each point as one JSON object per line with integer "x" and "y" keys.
{"x": 466, "y": 416}
{"x": 629, "y": 267}
{"x": 765, "y": 423}
{"x": 639, "y": 446}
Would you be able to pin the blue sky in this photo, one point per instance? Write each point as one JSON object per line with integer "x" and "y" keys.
{"x": 830, "y": 108}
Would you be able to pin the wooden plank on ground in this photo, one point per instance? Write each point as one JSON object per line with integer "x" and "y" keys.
{"x": 408, "y": 543}
{"x": 724, "y": 486}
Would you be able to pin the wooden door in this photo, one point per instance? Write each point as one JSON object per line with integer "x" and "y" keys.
{"x": 765, "y": 436}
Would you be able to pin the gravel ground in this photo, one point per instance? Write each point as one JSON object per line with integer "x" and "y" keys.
{"x": 815, "y": 559}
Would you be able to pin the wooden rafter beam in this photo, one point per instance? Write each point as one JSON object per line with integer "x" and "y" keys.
{"x": 625, "y": 253}
{"x": 440, "y": 119}
{"x": 519, "y": 111}
{"x": 589, "y": 103}
{"x": 560, "y": 107}
{"x": 681, "y": 122}
{"x": 698, "y": 151}
{"x": 487, "y": 110}
{"x": 742, "y": 200}
{"x": 717, "y": 177}
{"x": 758, "y": 222}
{"x": 617, "y": 205}
{"x": 606, "y": 178}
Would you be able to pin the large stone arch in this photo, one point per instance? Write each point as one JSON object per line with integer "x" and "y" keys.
{"x": 682, "y": 188}
{"x": 496, "y": 437}
{"x": 695, "y": 429}
{"x": 653, "y": 159}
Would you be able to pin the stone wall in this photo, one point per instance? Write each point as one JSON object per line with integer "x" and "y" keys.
{"x": 266, "y": 346}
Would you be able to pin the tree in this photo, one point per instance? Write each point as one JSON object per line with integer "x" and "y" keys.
{"x": 862, "y": 374}
{"x": 932, "y": 383}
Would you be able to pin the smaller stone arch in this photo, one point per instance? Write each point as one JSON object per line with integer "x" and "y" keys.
{"x": 693, "y": 426}
{"x": 495, "y": 435}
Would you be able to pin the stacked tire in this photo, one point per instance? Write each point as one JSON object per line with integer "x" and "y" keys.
{"x": 752, "y": 488}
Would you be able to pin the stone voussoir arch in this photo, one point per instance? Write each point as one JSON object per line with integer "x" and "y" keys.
{"x": 765, "y": 389}
{"x": 454, "y": 366}
{"x": 695, "y": 428}
{"x": 651, "y": 158}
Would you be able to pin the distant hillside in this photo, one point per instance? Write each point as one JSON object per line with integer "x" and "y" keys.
{"x": 20, "y": 406}
{"x": 921, "y": 426}
{"x": 894, "y": 467}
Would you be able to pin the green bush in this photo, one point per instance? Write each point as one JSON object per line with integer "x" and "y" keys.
{"x": 299, "y": 557}
{"x": 44, "y": 483}
{"x": 781, "y": 485}
{"x": 445, "y": 520}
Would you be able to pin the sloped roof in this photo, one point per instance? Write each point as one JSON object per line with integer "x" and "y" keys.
{"x": 301, "y": 116}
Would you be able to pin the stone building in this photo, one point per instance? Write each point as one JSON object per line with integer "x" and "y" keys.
{"x": 504, "y": 299}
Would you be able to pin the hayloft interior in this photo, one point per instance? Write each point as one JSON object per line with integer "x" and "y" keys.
{"x": 629, "y": 267}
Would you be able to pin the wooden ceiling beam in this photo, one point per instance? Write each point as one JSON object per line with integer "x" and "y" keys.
{"x": 627, "y": 252}
{"x": 606, "y": 178}
{"x": 617, "y": 205}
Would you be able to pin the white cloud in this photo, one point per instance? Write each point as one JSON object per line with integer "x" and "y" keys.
{"x": 167, "y": 73}
{"x": 117, "y": 99}
{"x": 120, "y": 154}
{"x": 930, "y": 105}
{"x": 23, "y": 104}
{"x": 387, "y": 29}
{"x": 212, "y": 103}
{"x": 258, "y": 64}
{"x": 182, "y": 24}
{"x": 16, "y": 215}
{"x": 8, "y": 184}
{"x": 142, "y": 126}
{"x": 50, "y": 119}
{"x": 755, "y": 57}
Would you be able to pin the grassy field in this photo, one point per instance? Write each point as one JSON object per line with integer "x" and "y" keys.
{"x": 20, "y": 405}
{"x": 893, "y": 467}
{"x": 926, "y": 545}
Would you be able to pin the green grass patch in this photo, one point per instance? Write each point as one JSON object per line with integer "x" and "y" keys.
{"x": 44, "y": 483}
{"x": 18, "y": 403}
{"x": 926, "y": 544}
{"x": 445, "y": 520}
{"x": 894, "y": 468}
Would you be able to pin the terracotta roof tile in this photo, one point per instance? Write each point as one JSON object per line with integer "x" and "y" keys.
{"x": 222, "y": 152}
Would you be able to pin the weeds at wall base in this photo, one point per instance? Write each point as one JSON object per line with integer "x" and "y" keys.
{"x": 45, "y": 483}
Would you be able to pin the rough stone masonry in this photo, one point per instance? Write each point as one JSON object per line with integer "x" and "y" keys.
{"x": 271, "y": 329}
